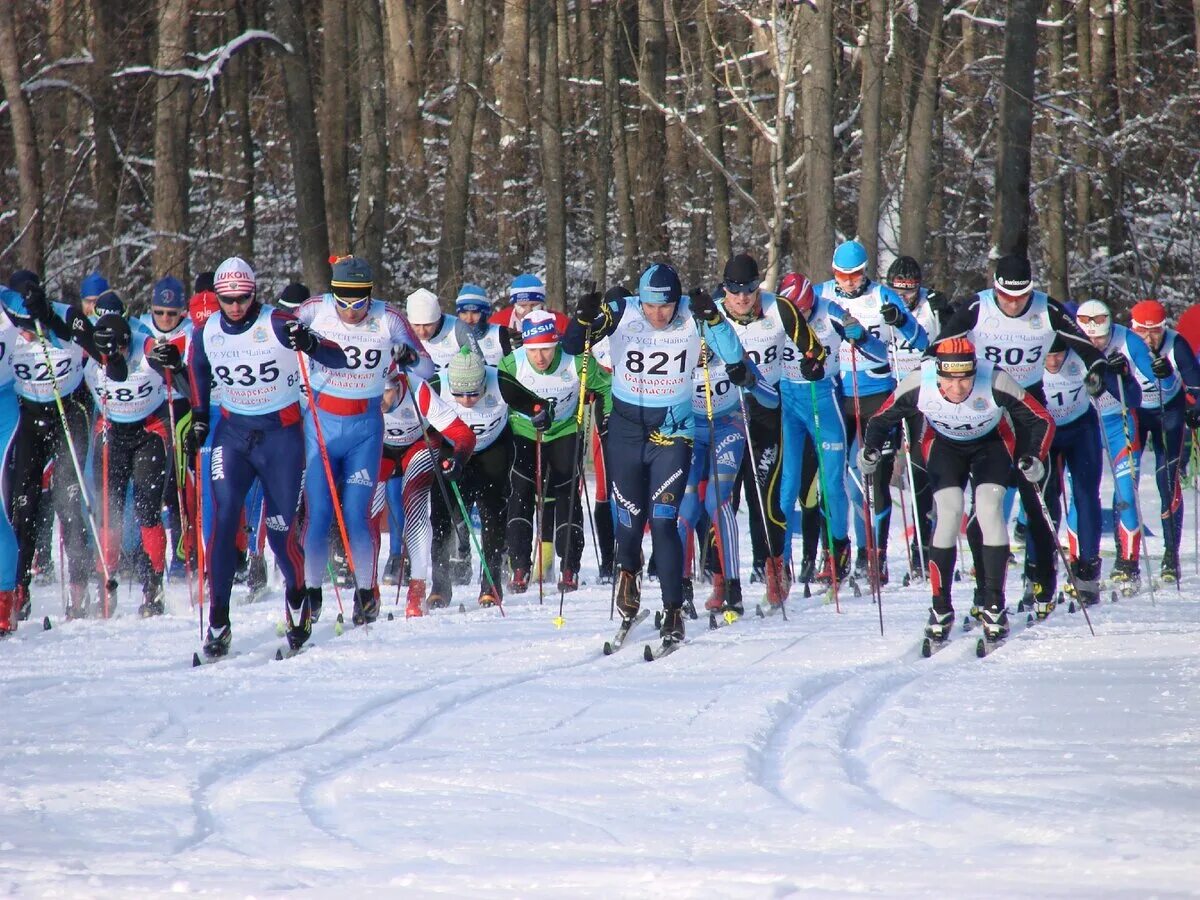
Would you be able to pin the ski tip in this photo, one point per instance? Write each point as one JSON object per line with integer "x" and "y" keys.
{"x": 391, "y": 617}
{"x": 926, "y": 648}
{"x": 279, "y": 654}
{"x": 341, "y": 619}
{"x": 758, "y": 610}
{"x": 462, "y": 607}
{"x": 712, "y": 622}
{"x": 648, "y": 654}
{"x": 807, "y": 591}
{"x": 958, "y": 575}
{"x": 1071, "y": 608}
{"x": 196, "y": 661}
{"x": 906, "y": 581}
{"x": 981, "y": 649}
{"x": 46, "y": 624}
{"x": 608, "y": 648}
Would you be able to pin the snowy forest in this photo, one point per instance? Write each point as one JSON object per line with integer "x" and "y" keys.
{"x": 473, "y": 139}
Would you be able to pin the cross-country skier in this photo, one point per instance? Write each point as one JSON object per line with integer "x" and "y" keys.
{"x": 12, "y": 310}
{"x": 1012, "y": 325}
{"x": 770, "y": 328}
{"x": 343, "y": 426}
{"x": 980, "y": 421}
{"x": 541, "y": 365}
{"x": 866, "y": 384}
{"x": 472, "y": 308}
{"x": 655, "y": 339}
{"x": 1170, "y": 403}
{"x": 250, "y": 349}
{"x": 525, "y": 294}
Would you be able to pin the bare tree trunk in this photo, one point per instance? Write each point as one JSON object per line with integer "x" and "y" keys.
{"x": 1053, "y": 207}
{"x": 56, "y": 115}
{"x": 918, "y": 158}
{"x": 816, "y": 72}
{"x": 552, "y": 163}
{"x": 1104, "y": 118}
{"x": 651, "y": 190}
{"x": 1010, "y": 225}
{"x": 512, "y": 76}
{"x": 236, "y": 84}
{"x": 461, "y": 135}
{"x": 622, "y": 179}
{"x": 601, "y": 164}
{"x": 1196, "y": 30}
{"x": 172, "y": 103}
{"x": 334, "y": 122}
{"x": 29, "y": 173}
{"x": 106, "y": 166}
{"x": 456, "y": 18}
{"x": 308, "y": 183}
{"x": 870, "y": 186}
{"x": 404, "y": 89}
{"x": 714, "y": 138}
{"x": 369, "y": 224}
{"x": 1083, "y": 139}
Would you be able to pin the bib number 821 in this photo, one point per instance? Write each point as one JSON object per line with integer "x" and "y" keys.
{"x": 636, "y": 362}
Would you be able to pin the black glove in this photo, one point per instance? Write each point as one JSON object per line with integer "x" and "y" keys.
{"x": 299, "y": 337}
{"x": 1191, "y": 417}
{"x": 704, "y": 307}
{"x": 740, "y": 375}
{"x": 868, "y": 460}
{"x": 36, "y": 303}
{"x": 1118, "y": 364}
{"x": 196, "y": 435}
{"x": 543, "y": 418}
{"x": 111, "y": 334}
{"x": 452, "y": 469}
{"x": 1161, "y": 367}
{"x": 812, "y": 368}
{"x": 1094, "y": 380}
{"x": 167, "y": 356}
{"x": 588, "y": 306}
{"x": 617, "y": 292}
{"x": 405, "y": 356}
{"x": 939, "y": 303}
{"x": 892, "y": 314}
{"x": 1031, "y": 467}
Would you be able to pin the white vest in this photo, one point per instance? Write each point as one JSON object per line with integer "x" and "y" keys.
{"x": 653, "y": 365}
{"x": 1066, "y": 394}
{"x": 131, "y": 400}
{"x": 908, "y": 357}
{"x": 978, "y": 414}
{"x": 36, "y": 379}
{"x": 560, "y": 384}
{"x": 763, "y": 340}
{"x": 486, "y": 418}
{"x": 255, "y": 371}
{"x": 827, "y": 337}
{"x": 1018, "y": 345}
{"x": 368, "y": 347}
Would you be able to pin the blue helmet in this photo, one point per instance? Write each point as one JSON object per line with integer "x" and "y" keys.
{"x": 850, "y": 256}
{"x": 659, "y": 284}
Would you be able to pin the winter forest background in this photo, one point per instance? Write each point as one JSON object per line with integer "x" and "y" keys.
{"x": 472, "y": 139}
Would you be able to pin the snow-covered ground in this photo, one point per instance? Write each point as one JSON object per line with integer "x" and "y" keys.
{"x": 480, "y": 756}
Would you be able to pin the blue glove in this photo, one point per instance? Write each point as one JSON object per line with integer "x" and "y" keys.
{"x": 853, "y": 329}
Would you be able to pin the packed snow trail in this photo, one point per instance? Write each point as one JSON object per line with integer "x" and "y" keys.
{"x": 471, "y": 755}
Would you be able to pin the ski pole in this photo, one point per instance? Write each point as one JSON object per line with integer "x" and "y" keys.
{"x": 906, "y": 445}
{"x": 577, "y": 471}
{"x": 1136, "y": 476}
{"x": 183, "y": 519}
{"x": 1195, "y": 505}
{"x": 199, "y": 532}
{"x": 824, "y": 485}
{"x": 868, "y": 512}
{"x": 441, "y": 480}
{"x": 110, "y": 583}
{"x": 539, "y": 518}
{"x": 587, "y": 501}
{"x": 762, "y": 506}
{"x": 313, "y": 408}
{"x": 1175, "y": 494}
{"x": 1062, "y": 555}
{"x": 714, "y": 480}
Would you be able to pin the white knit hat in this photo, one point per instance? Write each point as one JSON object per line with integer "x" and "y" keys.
{"x": 422, "y": 307}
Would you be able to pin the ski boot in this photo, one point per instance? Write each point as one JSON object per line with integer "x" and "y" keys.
{"x": 299, "y": 617}
{"x": 995, "y": 623}
{"x": 568, "y": 581}
{"x": 629, "y": 594}
{"x": 256, "y": 575}
{"x": 1127, "y": 576}
{"x": 1087, "y": 581}
{"x": 604, "y": 575}
{"x": 778, "y": 583}
{"x": 808, "y": 570}
{"x": 460, "y": 570}
{"x": 672, "y": 627}
{"x": 689, "y": 599}
{"x": 716, "y": 599}
{"x": 841, "y": 558}
{"x": 437, "y": 601}
{"x": 939, "y": 625}
{"x": 79, "y": 603}
{"x": 1169, "y": 571}
{"x": 861, "y": 567}
{"x": 315, "y": 601}
{"x": 1043, "y": 600}
{"x": 881, "y": 568}
{"x": 519, "y": 582}
{"x": 8, "y": 609}
{"x": 1020, "y": 533}
{"x": 1026, "y": 602}
{"x": 366, "y": 607}
{"x": 152, "y": 597}
{"x": 416, "y": 598}
{"x": 733, "y": 598}
{"x": 217, "y": 641}
{"x": 391, "y": 570}
{"x": 24, "y": 604}
{"x": 488, "y": 597}
{"x": 240, "y": 570}
{"x": 758, "y": 572}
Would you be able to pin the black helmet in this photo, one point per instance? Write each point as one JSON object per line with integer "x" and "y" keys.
{"x": 904, "y": 274}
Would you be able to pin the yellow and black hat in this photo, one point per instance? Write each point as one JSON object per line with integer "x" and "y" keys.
{"x": 352, "y": 278}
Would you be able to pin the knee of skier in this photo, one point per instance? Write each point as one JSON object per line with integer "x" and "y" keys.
{"x": 948, "y": 509}
{"x": 989, "y": 512}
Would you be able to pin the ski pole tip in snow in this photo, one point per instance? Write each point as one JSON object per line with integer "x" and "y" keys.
{"x": 559, "y": 621}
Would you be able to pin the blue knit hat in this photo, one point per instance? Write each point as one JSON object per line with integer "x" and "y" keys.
{"x": 109, "y": 302}
{"x": 168, "y": 293}
{"x": 659, "y": 284}
{"x": 527, "y": 289}
{"x": 93, "y": 286}
{"x": 472, "y": 298}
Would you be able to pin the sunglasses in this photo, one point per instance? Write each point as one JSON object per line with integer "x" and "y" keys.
{"x": 741, "y": 287}
{"x": 169, "y": 313}
{"x": 351, "y": 302}
{"x": 235, "y": 299}
{"x": 465, "y": 394}
{"x": 848, "y": 276}
{"x": 1093, "y": 320}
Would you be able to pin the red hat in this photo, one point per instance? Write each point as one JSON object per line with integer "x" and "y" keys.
{"x": 201, "y": 306}
{"x": 798, "y": 289}
{"x": 1148, "y": 314}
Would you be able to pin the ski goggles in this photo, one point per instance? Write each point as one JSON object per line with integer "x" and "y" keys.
{"x": 235, "y": 299}
{"x": 1098, "y": 319}
{"x": 353, "y": 303}
{"x": 741, "y": 287}
{"x": 466, "y": 395}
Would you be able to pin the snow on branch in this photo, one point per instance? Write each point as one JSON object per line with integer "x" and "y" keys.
{"x": 215, "y": 59}
{"x": 999, "y": 23}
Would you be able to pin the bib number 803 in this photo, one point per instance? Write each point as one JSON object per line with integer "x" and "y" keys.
{"x": 1012, "y": 356}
